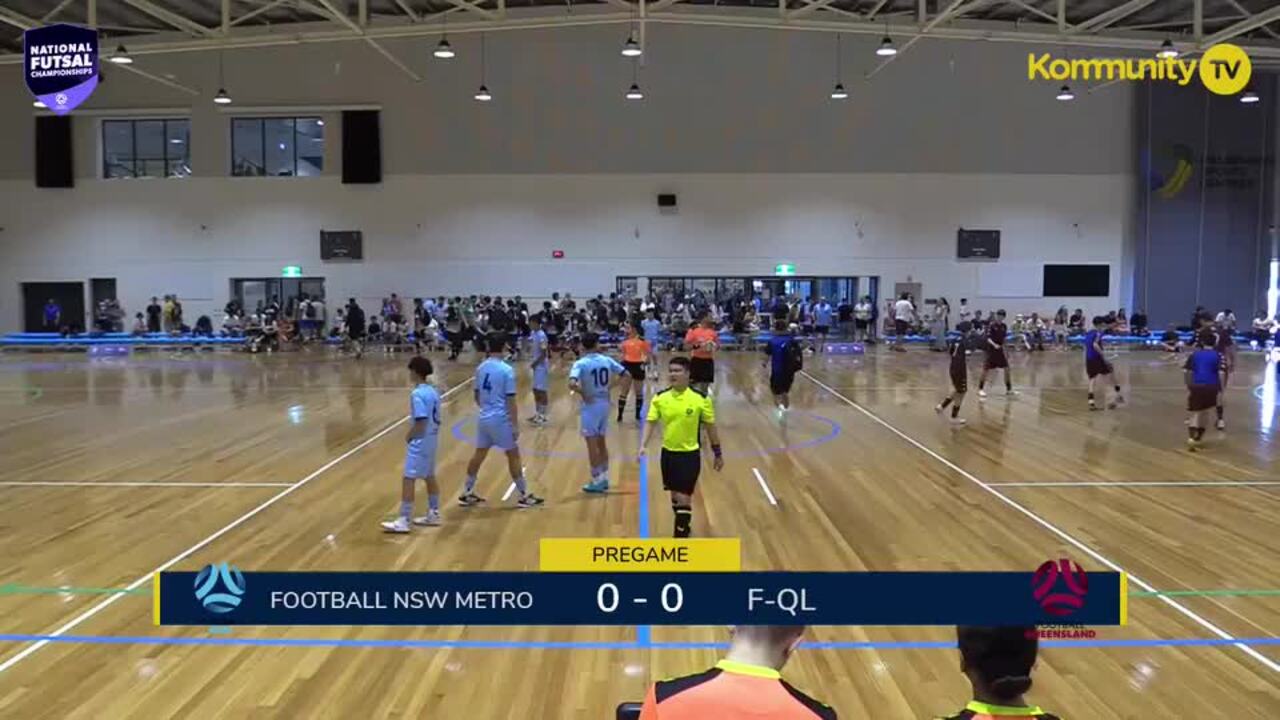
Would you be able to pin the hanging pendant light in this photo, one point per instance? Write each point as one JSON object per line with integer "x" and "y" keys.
{"x": 1167, "y": 50}
{"x": 838, "y": 92}
{"x": 222, "y": 98}
{"x": 483, "y": 94}
{"x": 1065, "y": 94}
{"x": 444, "y": 50}
{"x": 121, "y": 56}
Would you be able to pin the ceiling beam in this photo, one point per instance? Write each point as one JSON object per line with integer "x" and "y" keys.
{"x": 1242, "y": 27}
{"x": 1244, "y": 13}
{"x": 1197, "y": 20}
{"x": 875, "y": 10}
{"x": 91, "y": 13}
{"x": 953, "y": 10}
{"x": 465, "y": 5}
{"x": 57, "y": 9}
{"x": 360, "y": 32}
{"x": 404, "y": 7}
{"x": 809, "y": 7}
{"x": 1033, "y": 10}
{"x": 1062, "y": 16}
{"x": 171, "y": 18}
{"x": 226, "y": 17}
{"x": 17, "y": 19}
{"x": 156, "y": 78}
{"x": 258, "y": 11}
{"x": 1105, "y": 18}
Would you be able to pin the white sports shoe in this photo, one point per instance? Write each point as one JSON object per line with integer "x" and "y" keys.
{"x": 431, "y": 519}
{"x": 1221, "y": 424}
{"x": 958, "y": 421}
{"x": 982, "y": 393}
{"x": 400, "y": 525}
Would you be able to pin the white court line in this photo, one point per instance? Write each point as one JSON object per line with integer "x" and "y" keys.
{"x": 512, "y": 487}
{"x": 1226, "y": 483}
{"x": 38, "y": 483}
{"x": 1268, "y": 662}
{"x": 72, "y": 624}
{"x": 765, "y": 486}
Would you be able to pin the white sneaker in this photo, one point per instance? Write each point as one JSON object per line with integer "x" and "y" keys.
{"x": 1221, "y": 424}
{"x": 431, "y": 519}
{"x": 400, "y": 525}
{"x": 1012, "y": 393}
{"x": 937, "y": 409}
{"x": 982, "y": 393}
{"x": 958, "y": 421}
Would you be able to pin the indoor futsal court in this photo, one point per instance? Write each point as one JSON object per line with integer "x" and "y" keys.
{"x": 909, "y": 286}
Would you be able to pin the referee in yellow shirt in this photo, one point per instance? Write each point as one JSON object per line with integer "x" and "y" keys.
{"x": 683, "y": 412}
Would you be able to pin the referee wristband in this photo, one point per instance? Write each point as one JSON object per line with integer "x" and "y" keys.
{"x": 716, "y": 450}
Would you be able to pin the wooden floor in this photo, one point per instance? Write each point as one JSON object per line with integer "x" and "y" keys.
{"x": 111, "y": 469}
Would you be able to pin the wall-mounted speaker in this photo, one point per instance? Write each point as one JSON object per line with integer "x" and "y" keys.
{"x": 361, "y": 147}
{"x": 53, "y": 152}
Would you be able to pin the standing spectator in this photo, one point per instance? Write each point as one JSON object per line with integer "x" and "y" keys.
{"x": 904, "y": 314}
{"x": 862, "y": 319}
{"x": 965, "y": 313}
{"x": 944, "y": 308}
{"x": 168, "y": 313}
{"x": 844, "y": 315}
{"x": 177, "y": 314}
{"x": 317, "y": 316}
{"x": 153, "y": 315}
{"x": 745, "y": 684}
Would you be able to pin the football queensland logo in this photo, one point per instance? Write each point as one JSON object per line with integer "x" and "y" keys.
{"x": 60, "y": 64}
{"x": 1224, "y": 69}
{"x": 219, "y": 587}
{"x": 1060, "y": 587}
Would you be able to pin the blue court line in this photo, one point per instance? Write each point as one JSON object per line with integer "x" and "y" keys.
{"x": 580, "y": 645}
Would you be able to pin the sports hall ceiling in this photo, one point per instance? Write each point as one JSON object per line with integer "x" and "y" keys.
{"x": 165, "y": 26}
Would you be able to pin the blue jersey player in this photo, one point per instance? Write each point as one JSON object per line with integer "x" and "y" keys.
{"x": 420, "y": 452}
{"x": 651, "y": 329}
{"x": 541, "y": 365}
{"x": 590, "y": 378}
{"x": 495, "y": 395}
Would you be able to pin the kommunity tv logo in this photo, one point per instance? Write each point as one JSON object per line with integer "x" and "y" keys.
{"x": 1224, "y": 69}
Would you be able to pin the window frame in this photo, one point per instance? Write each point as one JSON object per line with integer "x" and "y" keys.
{"x": 261, "y": 121}
{"x": 132, "y": 122}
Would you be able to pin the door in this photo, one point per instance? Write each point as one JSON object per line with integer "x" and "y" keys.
{"x": 68, "y": 295}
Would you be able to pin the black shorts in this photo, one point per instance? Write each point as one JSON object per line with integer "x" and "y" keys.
{"x": 960, "y": 382}
{"x": 780, "y": 383}
{"x": 702, "y": 370}
{"x": 1203, "y": 397}
{"x": 1097, "y": 366}
{"x": 822, "y": 329}
{"x": 996, "y": 360}
{"x": 634, "y": 369}
{"x": 900, "y": 327}
{"x": 861, "y": 324}
{"x": 680, "y": 470}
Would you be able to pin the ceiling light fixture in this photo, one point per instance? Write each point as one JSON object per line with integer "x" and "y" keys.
{"x": 483, "y": 94}
{"x": 222, "y": 98}
{"x": 1249, "y": 97}
{"x": 444, "y": 50}
{"x": 121, "y": 56}
{"x": 1167, "y": 50}
{"x": 838, "y": 93}
{"x": 1065, "y": 94}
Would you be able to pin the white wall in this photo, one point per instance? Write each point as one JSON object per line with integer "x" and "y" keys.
{"x": 432, "y": 235}
{"x": 475, "y": 197}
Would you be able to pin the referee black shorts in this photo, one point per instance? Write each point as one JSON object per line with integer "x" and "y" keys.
{"x": 780, "y": 383}
{"x": 680, "y": 470}
{"x": 702, "y": 370}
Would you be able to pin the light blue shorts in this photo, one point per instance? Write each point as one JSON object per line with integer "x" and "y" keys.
{"x": 420, "y": 458}
{"x": 540, "y": 378}
{"x": 595, "y": 418}
{"x": 495, "y": 433}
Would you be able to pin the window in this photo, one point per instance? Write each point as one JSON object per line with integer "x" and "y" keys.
{"x": 277, "y": 147}
{"x": 146, "y": 148}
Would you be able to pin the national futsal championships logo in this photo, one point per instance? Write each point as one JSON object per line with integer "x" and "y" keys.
{"x": 219, "y": 600}
{"x": 1060, "y": 587}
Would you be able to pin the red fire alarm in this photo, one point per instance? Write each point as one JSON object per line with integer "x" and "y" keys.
{"x": 557, "y": 254}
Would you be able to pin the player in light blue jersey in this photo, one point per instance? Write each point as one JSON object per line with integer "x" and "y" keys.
{"x": 495, "y": 394}
{"x": 420, "y": 454}
{"x": 541, "y": 365}
{"x": 822, "y": 316}
{"x": 589, "y": 379}
{"x": 651, "y": 329}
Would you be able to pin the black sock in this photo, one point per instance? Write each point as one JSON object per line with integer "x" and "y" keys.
{"x": 1117, "y": 391}
{"x": 1090, "y": 398}
{"x": 1219, "y": 409}
{"x": 955, "y": 410}
{"x": 1199, "y": 433}
{"x": 945, "y": 401}
{"x": 1191, "y": 433}
{"x": 639, "y": 404}
{"x": 1008, "y": 385}
{"x": 622, "y": 405}
{"x": 684, "y": 520}
{"x": 982, "y": 384}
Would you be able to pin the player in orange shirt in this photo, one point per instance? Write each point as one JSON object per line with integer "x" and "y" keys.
{"x": 701, "y": 341}
{"x": 745, "y": 684}
{"x": 635, "y": 357}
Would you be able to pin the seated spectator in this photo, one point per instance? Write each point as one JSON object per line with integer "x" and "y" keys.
{"x": 998, "y": 662}
{"x": 204, "y": 327}
{"x": 232, "y": 326}
{"x": 1076, "y": 324}
{"x": 1261, "y": 328}
{"x": 1138, "y": 324}
{"x": 1169, "y": 341}
{"x": 745, "y": 684}
{"x": 139, "y": 324}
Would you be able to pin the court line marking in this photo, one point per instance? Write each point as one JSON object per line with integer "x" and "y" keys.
{"x": 512, "y": 487}
{"x": 765, "y": 486}
{"x": 82, "y": 617}
{"x": 1192, "y": 483}
{"x": 603, "y": 645}
{"x": 41, "y": 483}
{"x": 1268, "y": 662}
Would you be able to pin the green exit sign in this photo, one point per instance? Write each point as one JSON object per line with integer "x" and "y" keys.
{"x": 291, "y": 271}
{"x": 783, "y": 269}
